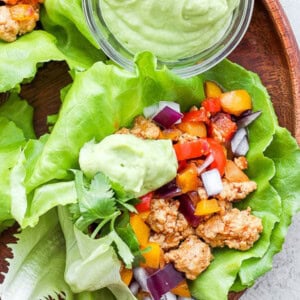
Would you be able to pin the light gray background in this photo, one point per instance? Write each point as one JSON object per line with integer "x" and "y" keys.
{"x": 283, "y": 281}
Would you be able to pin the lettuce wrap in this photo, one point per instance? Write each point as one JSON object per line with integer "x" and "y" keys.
{"x": 98, "y": 102}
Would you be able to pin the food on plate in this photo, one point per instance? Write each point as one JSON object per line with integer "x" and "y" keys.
{"x": 18, "y": 17}
{"x": 87, "y": 236}
{"x": 182, "y": 219}
{"x": 170, "y": 30}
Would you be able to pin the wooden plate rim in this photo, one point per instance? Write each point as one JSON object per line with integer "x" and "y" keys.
{"x": 291, "y": 52}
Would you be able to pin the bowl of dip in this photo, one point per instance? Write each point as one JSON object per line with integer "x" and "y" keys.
{"x": 187, "y": 36}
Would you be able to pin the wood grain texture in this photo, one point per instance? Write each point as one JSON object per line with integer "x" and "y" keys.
{"x": 269, "y": 48}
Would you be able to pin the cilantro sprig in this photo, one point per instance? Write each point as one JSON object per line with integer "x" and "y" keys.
{"x": 105, "y": 205}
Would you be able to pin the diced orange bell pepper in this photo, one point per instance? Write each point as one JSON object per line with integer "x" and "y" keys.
{"x": 144, "y": 215}
{"x": 236, "y": 102}
{"x": 205, "y": 207}
{"x": 126, "y": 275}
{"x": 193, "y": 128}
{"x": 140, "y": 228}
{"x": 170, "y": 134}
{"x": 182, "y": 290}
{"x": 233, "y": 173}
{"x": 212, "y": 90}
{"x": 188, "y": 179}
{"x": 152, "y": 256}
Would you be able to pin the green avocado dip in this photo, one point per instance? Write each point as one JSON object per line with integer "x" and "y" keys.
{"x": 170, "y": 29}
{"x": 140, "y": 166}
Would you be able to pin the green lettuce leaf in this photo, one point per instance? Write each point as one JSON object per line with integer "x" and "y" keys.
{"x": 101, "y": 100}
{"x": 285, "y": 153}
{"x": 37, "y": 269}
{"x": 20, "y": 112}
{"x": 88, "y": 260}
{"x": 227, "y": 263}
{"x": 66, "y": 21}
{"x": 19, "y": 60}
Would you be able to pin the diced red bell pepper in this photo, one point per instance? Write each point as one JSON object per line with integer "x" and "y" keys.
{"x": 222, "y": 127}
{"x": 145, "y": 203}
{"x": 200, "y": 115}
{"x": 218, "y": 153}
{"x": 213, "y": 105}
{"x": 191, "y": 149}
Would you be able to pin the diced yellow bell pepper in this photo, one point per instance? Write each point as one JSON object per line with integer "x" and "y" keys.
{"x": 212, "y": 90}
{"x": 236, "y": 102}
{"x": 233, "y": 173}
{"x": 193, "y": 128}
{"x": 206, "y": 207}
{"x": 126, "y": 275}
{"x": 182, "y": 290}
{"x": 188, "y": 180}
{"x": 152, "y": 255}
{"x": 140, "y": 228}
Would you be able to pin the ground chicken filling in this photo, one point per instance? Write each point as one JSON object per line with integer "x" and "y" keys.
{"x": 188, "y": 245}
{"x": 18, "y": 17}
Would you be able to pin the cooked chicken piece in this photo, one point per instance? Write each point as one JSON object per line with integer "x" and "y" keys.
{"x": 170, "y": 240}
{"x": 192, "y": 257}
{"x": 241, "y": 162}
{"x": 236, "y": 229}
{"x": 17, "y": 20}
{"x": 142, "y": 128}
{"x": 232, "y": 191}
{"x": 169, "y": 225}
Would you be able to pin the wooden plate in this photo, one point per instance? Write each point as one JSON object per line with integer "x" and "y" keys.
{"x": 269, "y": 48}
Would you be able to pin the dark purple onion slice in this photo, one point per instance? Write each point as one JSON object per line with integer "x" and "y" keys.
{"x": 168, "y": 190}
{"x": 163, "y": 280}
{"x": 247, "y": 118}
{"x": 187, "y": 208}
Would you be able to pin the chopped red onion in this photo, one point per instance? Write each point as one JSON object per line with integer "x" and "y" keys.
{"x": 168, "y": 190}
{"x": 187, "y": 208}
{"x": 209, "y": 159}
{"x": 141, "y": 275}
{"x": 243, "y": 147}
{"x": 212, "y": 182}
{"x": 167, "y": 116}
{"x": 248, "y": 118}
{"x": 237, "y": 138}
{"x": 163, "y": 281}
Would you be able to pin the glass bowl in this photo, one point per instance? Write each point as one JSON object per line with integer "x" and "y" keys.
{"x": 185, "y": 67}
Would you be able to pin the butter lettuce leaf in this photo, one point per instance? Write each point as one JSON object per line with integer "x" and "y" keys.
{"x": 285, "y": 153}
{"x": 91, "y": 264}
{"x": 37, "y": 269}
{"x": 65, "y": 20}
{"x": 20, "y": 60}
{"x": 227, "y": 262}
{"x": 101, "y": 100}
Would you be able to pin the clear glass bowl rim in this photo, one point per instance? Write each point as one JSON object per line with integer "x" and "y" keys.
{"x": 245, "y": 8}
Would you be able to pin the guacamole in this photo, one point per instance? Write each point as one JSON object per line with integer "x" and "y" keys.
{"x": 170, "y": 29}
{"x": 140, "y": 166}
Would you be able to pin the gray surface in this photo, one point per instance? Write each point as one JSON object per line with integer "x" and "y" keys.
{"x": 283, "y": 281}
